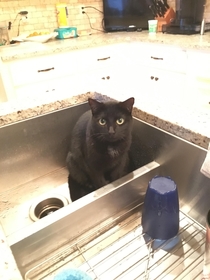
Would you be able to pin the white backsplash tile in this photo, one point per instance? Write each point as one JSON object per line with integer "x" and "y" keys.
{"x": 42, "y": 15}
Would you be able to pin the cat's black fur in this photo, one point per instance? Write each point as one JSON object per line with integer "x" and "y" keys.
{"x": 99, "y": 146}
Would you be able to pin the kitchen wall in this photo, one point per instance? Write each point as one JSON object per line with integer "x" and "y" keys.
{"x": 42, "y": 15}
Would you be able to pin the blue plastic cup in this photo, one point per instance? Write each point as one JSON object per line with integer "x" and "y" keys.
{"x": 160, "y": 214}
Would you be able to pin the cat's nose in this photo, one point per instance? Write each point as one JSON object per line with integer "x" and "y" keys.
{"x": 111, "y": 130}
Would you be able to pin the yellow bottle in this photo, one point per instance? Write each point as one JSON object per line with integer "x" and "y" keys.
{"x": 62, "y": 14}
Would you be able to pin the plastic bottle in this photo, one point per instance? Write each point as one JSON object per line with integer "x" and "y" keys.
{"x": 62, "y": 14}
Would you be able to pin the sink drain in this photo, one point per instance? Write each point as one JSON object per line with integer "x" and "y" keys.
{"x": 46, "y": 206}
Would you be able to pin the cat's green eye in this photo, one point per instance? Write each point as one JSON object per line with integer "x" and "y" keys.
{"x": 120, "y": 121}
{"x": 102, "y": 121}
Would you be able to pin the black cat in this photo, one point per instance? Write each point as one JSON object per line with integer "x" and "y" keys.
{"x": 99, "y": 146}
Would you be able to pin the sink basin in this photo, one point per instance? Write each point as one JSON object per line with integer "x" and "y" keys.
{"x": 105, "y": 225}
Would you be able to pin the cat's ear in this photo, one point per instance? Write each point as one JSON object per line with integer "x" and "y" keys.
{"x": 128, "y": 104}
{"x": 95, "y": 106}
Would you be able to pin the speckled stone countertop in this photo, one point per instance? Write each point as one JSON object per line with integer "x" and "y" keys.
{"x": 191, "y": 123}
{"x": 29, "y": 49}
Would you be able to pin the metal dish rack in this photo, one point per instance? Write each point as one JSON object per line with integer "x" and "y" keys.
{"x": 123, "y": 252}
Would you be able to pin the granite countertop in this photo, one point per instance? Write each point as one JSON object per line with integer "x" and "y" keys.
{"x": 191, "y": 123}
{"x": 28, "y": 49}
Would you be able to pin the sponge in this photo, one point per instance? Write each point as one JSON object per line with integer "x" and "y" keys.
{"x": 72, "y": 274}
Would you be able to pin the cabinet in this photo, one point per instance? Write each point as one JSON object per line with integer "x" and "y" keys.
{"x": 157, "y": 70}
{"x": 145, "y": 71}
{"x": 198, "y": 69}
{"x": 198, "y": 77}
{"x": 123, "y": 70}
{"x": 65, "y": 74}
{"x": 164, "y": 57}
{"x": 110, "y": 71}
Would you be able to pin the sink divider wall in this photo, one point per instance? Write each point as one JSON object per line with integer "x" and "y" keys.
{"x": 50, "y": 235}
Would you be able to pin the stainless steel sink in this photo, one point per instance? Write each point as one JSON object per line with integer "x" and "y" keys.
{"x": 101, "y": 233}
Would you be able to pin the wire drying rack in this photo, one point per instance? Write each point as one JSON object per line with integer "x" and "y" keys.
{"x": 124, "y": 252}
